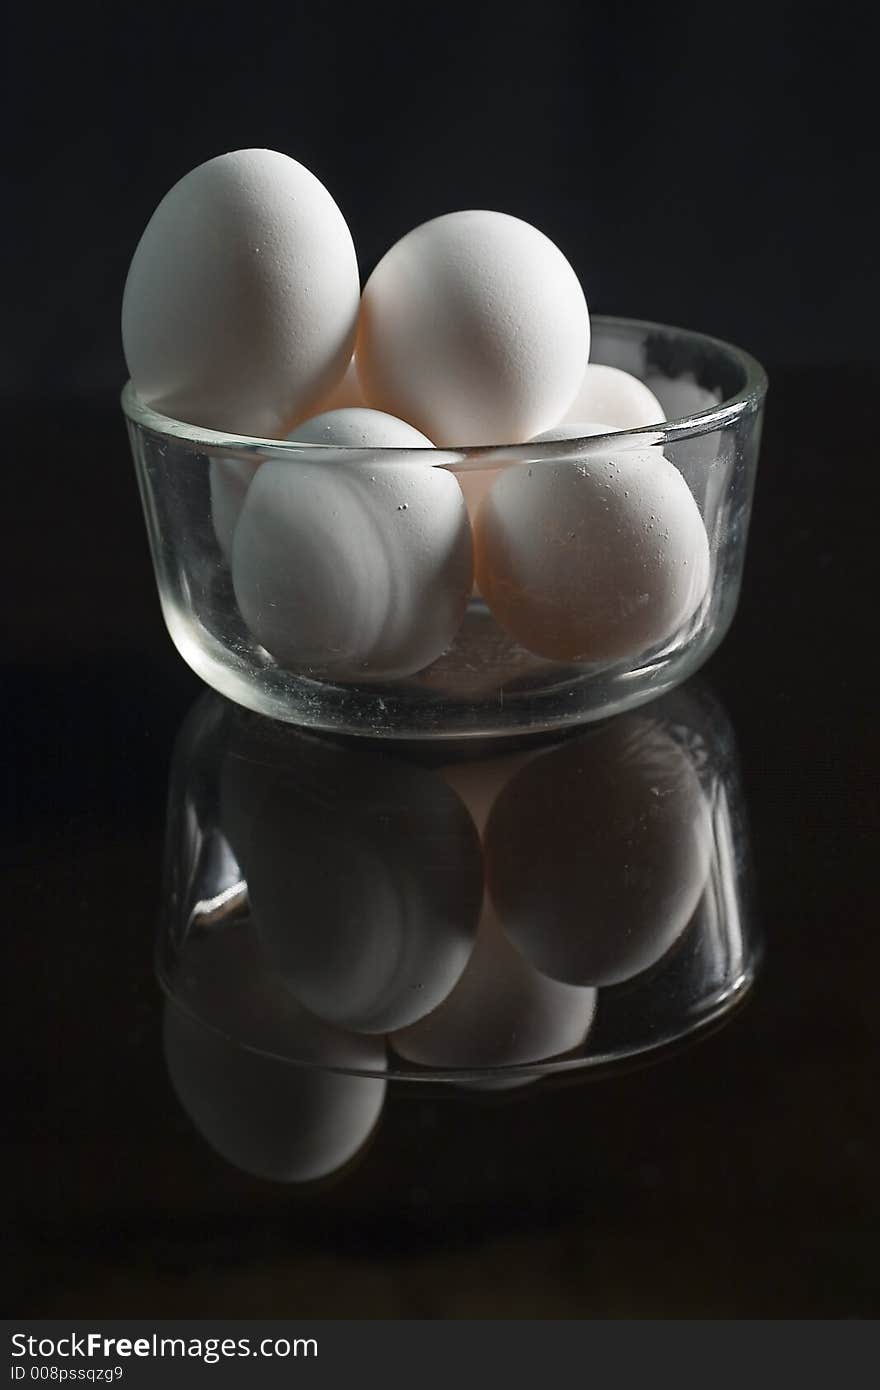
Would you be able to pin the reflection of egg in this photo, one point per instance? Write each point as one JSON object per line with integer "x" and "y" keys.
{"x": 681, "y": 396}
{"x": 597, "y": 853}
{"x": 474, "y": 484}
{"x": 243, "y": 784}
{"x": 607, "y": 393}
{"x": 365, "y": 877}
{"x": 288, "y": 1123}
{"x": 502, "y": 1013}
{"x": 356, "y": 571}
{"x": 475, "y": 328}
{"x": 274, "y": 1120}
{"x": 241, "y": 302}
{"x": 594, "y": 559}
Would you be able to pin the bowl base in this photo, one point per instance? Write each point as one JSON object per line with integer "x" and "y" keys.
{"x": 485, "y": 686}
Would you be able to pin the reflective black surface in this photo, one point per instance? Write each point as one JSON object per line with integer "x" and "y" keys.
{"x": 736, "y": 1176}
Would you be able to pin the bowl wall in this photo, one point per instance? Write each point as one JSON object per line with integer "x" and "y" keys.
{"x": 324, "y": 653}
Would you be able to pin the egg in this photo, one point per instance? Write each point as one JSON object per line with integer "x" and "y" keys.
{"x": 502, "y": 1013}
{"x": 356, "y": 427}
{"x": 607, "y": 393}
{"x": 229, "y": 480}
{"x": 575, "y": 429}
{"x": 681, "y": 395}
{"x": 348, "y": 427}
{"x": 365, "y": 877}
{"x": 598, "y": 852}
{"x": 241, "y": 303}
{"x": 596, "y": 559}
{"x": 355, "y": 571}
{"x": 263, "y": 1081}
{"x": 474, "y": 328}
{"x": 707, "y": 461}
{"x": 475, "y": 483}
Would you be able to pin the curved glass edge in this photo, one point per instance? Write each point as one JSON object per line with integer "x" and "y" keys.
{"x": 746, "y": 401}
{"x": 712, "y": 1012}
{"x": 375, "y": 716}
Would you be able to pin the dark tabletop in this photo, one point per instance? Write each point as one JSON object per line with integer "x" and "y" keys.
{"x": 735, "y": 1178}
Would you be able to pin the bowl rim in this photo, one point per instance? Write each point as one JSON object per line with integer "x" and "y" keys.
{"x": 745, "y": 401}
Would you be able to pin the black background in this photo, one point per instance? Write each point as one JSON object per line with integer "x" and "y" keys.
{"x": 702, "y": 165}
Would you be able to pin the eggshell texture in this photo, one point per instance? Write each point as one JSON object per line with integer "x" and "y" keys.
{"x": 359, "y": 428}
{"x": 229, "y": 480}
{"x": 705, "y": 460}
{"x": 597, "y": 853}
{"x": 474, "y": 328}
{"x": 353, "y": 571}
{"x": 502, "y": 1013}
{"x": 596, "y": 559}
{"x": 607, "y": 393}
{"x": 365, "y": 877}
{"x": 277, "y": 1121}
{"x": 349, "y": 427}
{"x": 241, "y": 302}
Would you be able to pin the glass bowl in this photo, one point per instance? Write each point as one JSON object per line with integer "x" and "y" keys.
{"x": 359, "y": 625}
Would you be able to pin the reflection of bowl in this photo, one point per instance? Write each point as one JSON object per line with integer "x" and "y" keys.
{"x": 615, "y": 919}
{"x": 473, "y": 677}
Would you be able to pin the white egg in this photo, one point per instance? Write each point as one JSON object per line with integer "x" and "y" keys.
{"x": 596, "y": 559}
{"x": 597, "y": 852}
{"x": 229, "y": 480}
{"x": 353, "y": 571}
{"x": 502, "y": 1013}
{"x": 241, "y": 302}
{"x": 356, "y": 427}
{"x": 575, "y": 429}
{"x": 475, "y": 328}
{"x": 347, "y": 427}
{"x": 681, "y": 395}
{"x": 365, "y": 878}
{"x": 607, "y": 393}
{"x": 345, "y": 393}
{"x": 707, "y": 460}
